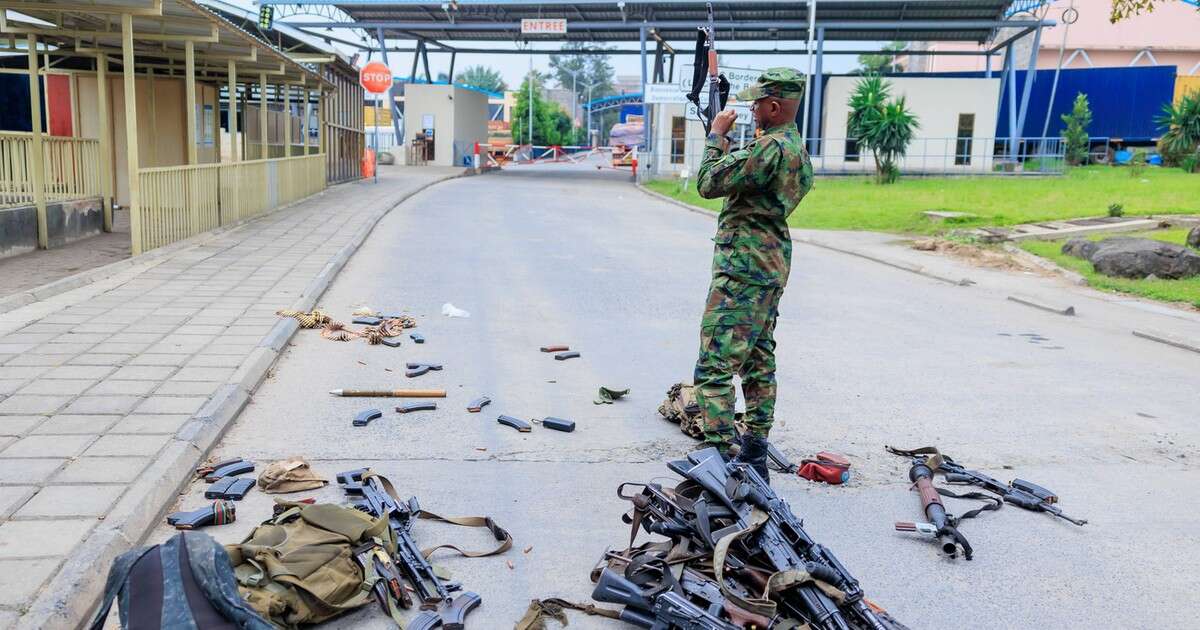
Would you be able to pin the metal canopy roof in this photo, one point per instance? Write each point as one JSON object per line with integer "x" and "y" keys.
{"x": 673, "y": 20}
{"x": 160, "y": 30}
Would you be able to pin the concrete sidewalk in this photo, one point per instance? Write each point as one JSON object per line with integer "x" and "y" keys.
{"x": 112, "y": 392}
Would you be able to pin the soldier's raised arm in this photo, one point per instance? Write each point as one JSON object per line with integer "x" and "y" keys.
{"x": 723, "y": 173}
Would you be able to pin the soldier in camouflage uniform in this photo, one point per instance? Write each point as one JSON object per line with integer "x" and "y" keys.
{"x": 762, "y": 184}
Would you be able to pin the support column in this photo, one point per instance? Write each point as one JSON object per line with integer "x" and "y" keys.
{"x": 453, "y": 56}
{"x": 262, "y": 115}
{"x": 393, "y": 107}
{"x": 307, "y": 114}
{"x": 234, "y": 145}
{"x": 817, "y": 88}
{"x": 425, "y": 62}
{"x": 1030, "y": 75}
{"x": 152, "y": 159}
{"x": 649, "y": 140}
{"x": 658, "y": 62}
{"x": 287, "y": 120}
{"x": 987, "y": 66}
{"x": 106, "y": 140}
{"x": 131, "y": 137}
{"x": 189, "y": 90}
{"x": 37, "y": 160}
{"x": 812, "y": 22}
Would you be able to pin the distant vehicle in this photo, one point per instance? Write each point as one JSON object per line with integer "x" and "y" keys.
{"x": 625, "y": 138}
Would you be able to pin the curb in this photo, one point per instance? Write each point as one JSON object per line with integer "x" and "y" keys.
{"x": 1169, "y": 339}
{"x": 1035, "y": 303}
{"x": 68, "y": 599}
{"x": 808, "y": 240}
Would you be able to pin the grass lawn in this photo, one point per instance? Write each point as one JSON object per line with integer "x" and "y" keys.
{"x": 1187, "y": 290}
{"x": 856, "y": 203}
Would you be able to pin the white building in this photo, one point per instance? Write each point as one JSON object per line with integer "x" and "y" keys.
{"x": 456, "y": 117}
{"x": 957, "y": 126}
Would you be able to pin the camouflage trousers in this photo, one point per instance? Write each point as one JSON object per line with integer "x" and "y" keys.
{"x": 737, "y": 337}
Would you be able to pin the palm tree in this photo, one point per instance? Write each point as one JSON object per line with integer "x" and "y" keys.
{"x": 1180, "y": 144}
{"x": 883, "y": 125}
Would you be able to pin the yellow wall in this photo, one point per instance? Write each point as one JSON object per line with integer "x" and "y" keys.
{"x": 162, "y": 140}
{"x": 1186, "y": 83}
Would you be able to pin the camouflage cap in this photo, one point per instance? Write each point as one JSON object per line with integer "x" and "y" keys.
{"x": 786, "y": 83}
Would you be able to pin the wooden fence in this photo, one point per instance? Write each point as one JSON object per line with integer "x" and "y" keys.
{"x": 178, "y": 202}
{"x": 71, "y": 166}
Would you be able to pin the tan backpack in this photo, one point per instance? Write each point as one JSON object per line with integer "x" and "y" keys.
{"x": 681, "y": 408}
{"x": 299, "y": 567}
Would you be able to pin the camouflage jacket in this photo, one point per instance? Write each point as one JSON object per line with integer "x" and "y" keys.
{"x": 762, "y": 184}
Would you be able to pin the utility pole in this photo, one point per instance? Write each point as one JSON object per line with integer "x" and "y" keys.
{"x": 531, "y": 107}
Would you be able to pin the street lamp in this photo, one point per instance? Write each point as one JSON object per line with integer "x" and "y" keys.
{"x": 589, "y": 116}
{"x": 574, "y": 92}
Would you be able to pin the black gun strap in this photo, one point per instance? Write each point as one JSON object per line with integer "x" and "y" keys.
{"x": 991, "y": 503}
{"x": 699, "y": 67}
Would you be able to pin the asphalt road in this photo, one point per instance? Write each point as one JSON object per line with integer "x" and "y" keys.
{"x": 868, "y": 355}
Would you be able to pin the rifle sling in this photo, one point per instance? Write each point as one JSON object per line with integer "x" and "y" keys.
{"x": 499, "y": 533}
{"x": 555, "y": 608}
{"x": 934, "y": 460}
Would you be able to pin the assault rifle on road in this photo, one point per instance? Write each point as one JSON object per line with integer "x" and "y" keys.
{"x": 1023, "y": 494}
{"x": 441, "y": 603}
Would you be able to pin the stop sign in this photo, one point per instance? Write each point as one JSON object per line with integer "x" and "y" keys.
{"x": 375, "y": 77}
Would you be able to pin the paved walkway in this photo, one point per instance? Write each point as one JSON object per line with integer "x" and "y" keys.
{"x": 111, "y": 393}
{"x": 24, "y": 272}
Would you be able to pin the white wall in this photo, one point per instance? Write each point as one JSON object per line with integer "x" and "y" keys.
{"x": 937, "y": 103}
{"x": 459, "y": 116}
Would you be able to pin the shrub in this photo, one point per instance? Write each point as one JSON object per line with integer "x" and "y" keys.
{"x": 1075, "y": 136}
{"x": 1116, "y": 210}
{"x": 1137, "y": 164}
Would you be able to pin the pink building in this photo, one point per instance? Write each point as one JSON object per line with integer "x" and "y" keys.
{"x": 1167, "y": 36}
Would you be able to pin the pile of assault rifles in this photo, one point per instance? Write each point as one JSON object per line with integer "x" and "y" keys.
{"x": 736, "y": 557}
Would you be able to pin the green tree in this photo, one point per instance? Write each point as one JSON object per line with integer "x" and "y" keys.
{"x": 482, "y": 77}
{"x": 883, "y": 125}
{"x": 1180, "y": 143}
{"x": 1075, "y": 136}
{"x": 882, "y": 62}
{"x": 551, "y": 125}
{"x": 592, "y": 66}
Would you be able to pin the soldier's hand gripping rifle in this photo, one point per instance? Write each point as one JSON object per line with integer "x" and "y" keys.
{"x": 782, "y": 540}
{"x": 440, "y": 603}
{"x": 706, "y": 73}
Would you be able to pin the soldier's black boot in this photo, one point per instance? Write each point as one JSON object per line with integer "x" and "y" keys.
{"x": 754, "y": 452}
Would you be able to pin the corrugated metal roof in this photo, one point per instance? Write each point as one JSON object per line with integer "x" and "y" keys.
{"x": 453, "y": 21}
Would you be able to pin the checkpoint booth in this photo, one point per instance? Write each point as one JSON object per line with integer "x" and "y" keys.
{"x": 442, "y": 124}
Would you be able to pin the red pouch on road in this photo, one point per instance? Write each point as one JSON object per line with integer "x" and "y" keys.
{"x": 832, "y": 468}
